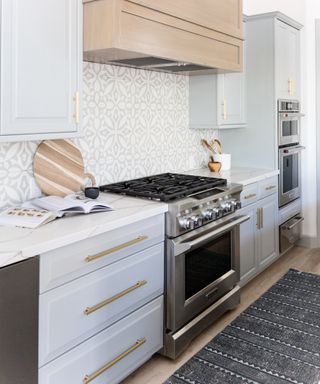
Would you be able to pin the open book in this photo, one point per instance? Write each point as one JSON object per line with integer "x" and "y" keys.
{"x": 25, "y": 217}
{"x": 69, "y": 204}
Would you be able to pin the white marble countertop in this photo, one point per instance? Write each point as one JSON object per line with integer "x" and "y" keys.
{"x": 242, "y": 176}
{"x": 21, "y": 243}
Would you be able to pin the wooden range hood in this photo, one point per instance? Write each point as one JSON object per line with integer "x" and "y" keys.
{"x": 185, "y": 36}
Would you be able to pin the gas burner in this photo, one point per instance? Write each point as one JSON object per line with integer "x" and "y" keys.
{"x": 165, "y": 186}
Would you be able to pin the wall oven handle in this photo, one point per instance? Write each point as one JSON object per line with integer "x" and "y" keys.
{"x": 188, "y": 245}
{"x": 294, "y": 149}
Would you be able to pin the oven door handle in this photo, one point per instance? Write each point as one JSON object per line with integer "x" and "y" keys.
{"x": 297, "y": 149}
{"x": 189, "y": 245}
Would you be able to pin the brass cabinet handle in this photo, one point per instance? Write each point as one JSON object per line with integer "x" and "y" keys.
{"x": 88, "y": 378}
{"x": 270, "y": 187}
{"x": 250, "y": 196}
{"x": 116, "y": 249}
{"x": 290, "y": 86}
{"x": 113, "y": 298}
{"x": 76, "y": 100}
{"x": 224, "y": 109}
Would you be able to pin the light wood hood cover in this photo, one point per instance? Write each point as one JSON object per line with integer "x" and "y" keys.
{"x": 205, "y": 33}
{"x": 58, "y": 167}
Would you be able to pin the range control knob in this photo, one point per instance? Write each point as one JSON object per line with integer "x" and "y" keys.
{"x": 197, "y": 220}
{"x": 226, "y": 207}
{"x": 208, "y": 214}
{"x": 217, "y": 213}
{"x": 186, "y": 222}
{"x": 236, "y": 204}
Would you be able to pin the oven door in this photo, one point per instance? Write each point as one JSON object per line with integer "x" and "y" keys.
{"x": 290, "y": 174}
{"x": 289, "y": 128}
{"x": 202, "y": 266}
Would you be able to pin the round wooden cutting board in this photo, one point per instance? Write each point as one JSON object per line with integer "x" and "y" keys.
{"x": 58, "y": 167}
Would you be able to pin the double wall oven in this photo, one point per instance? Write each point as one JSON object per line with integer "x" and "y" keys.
{"x": 289, "y": 151}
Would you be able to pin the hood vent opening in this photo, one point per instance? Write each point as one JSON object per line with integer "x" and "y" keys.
{"x": 148, "y": 61}
{"x": 158, "y": 64}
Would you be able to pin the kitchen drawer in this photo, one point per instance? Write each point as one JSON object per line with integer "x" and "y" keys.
{"x": 268, "y": 187}
{"x": 72, "y": 313}
{"x": 72, "y": 261}
{"x": 128, "y": 344}
{"x": 249, "y": 194}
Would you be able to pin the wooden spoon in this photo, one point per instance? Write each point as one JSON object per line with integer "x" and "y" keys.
{"x": 205, "y": 143}
{"x": 217, "y": 146}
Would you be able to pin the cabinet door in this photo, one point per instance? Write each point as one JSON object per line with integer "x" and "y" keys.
{"x": 287, "y": 57}
{"x": 248, "y": 244}
{"x": 41, "y": 60}
{"x": 231, "y": 100}
{"x": 203, "y": 102}
{"x": 268, "y": 238}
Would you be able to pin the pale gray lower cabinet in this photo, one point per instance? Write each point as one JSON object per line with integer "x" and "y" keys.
{"x": 41, "y": 68}
{"x": 248, "y": 244}
{"x": 259, "y": 235}
{"x": 129, "y": 342}
{"x": 101, "y": 316}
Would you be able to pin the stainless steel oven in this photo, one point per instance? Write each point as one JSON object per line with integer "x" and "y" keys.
{"x": 289, "y": 122}
{"x": 202, "y": 272}
{"x": 290, "y": 174}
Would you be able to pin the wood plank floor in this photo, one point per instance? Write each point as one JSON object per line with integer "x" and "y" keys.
{"x": 159, "y": 368}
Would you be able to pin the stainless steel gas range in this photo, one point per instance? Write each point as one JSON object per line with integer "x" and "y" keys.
{"x": 202, "y": 250}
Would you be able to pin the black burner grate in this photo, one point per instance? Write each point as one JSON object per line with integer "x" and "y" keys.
{"x": 165, "y": 186}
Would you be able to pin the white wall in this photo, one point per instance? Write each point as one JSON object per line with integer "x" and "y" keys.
{"x": 309, "y": 158}
{"x": 304, "y": 11}
{"x": 292, "y": 8}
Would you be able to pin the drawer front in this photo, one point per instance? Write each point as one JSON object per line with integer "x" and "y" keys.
{"x": 268, "y": 187}
{"x": 222, "y": 16}
{"x": 113, "y": 353}
{"x": 70, "y": 262}
{"x": 74, "y": 312}
{"x": 249, "y": 194}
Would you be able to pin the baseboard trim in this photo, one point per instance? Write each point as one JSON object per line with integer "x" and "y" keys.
{"x": 308, "y": 241}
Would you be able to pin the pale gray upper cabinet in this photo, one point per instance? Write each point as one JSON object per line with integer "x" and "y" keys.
{"x": 287, "y": 61}
{"x": 218, "y": 101}
{"x": 231, "y": 100}
{"x": 41, "y": 68}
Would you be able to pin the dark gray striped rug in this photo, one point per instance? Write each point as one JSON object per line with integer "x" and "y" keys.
{"x": 276, "y": 340}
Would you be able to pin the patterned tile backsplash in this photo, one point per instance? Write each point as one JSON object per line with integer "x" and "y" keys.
{"x": 135, "y": 123}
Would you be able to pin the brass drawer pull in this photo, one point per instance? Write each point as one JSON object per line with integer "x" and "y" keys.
{"x": 88, "y": 378}
{"x": 270, "y": 187}
{"x": 252, "y": 195}
{"x": 113, "y": 298}
{"x": 116, "y": 249}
